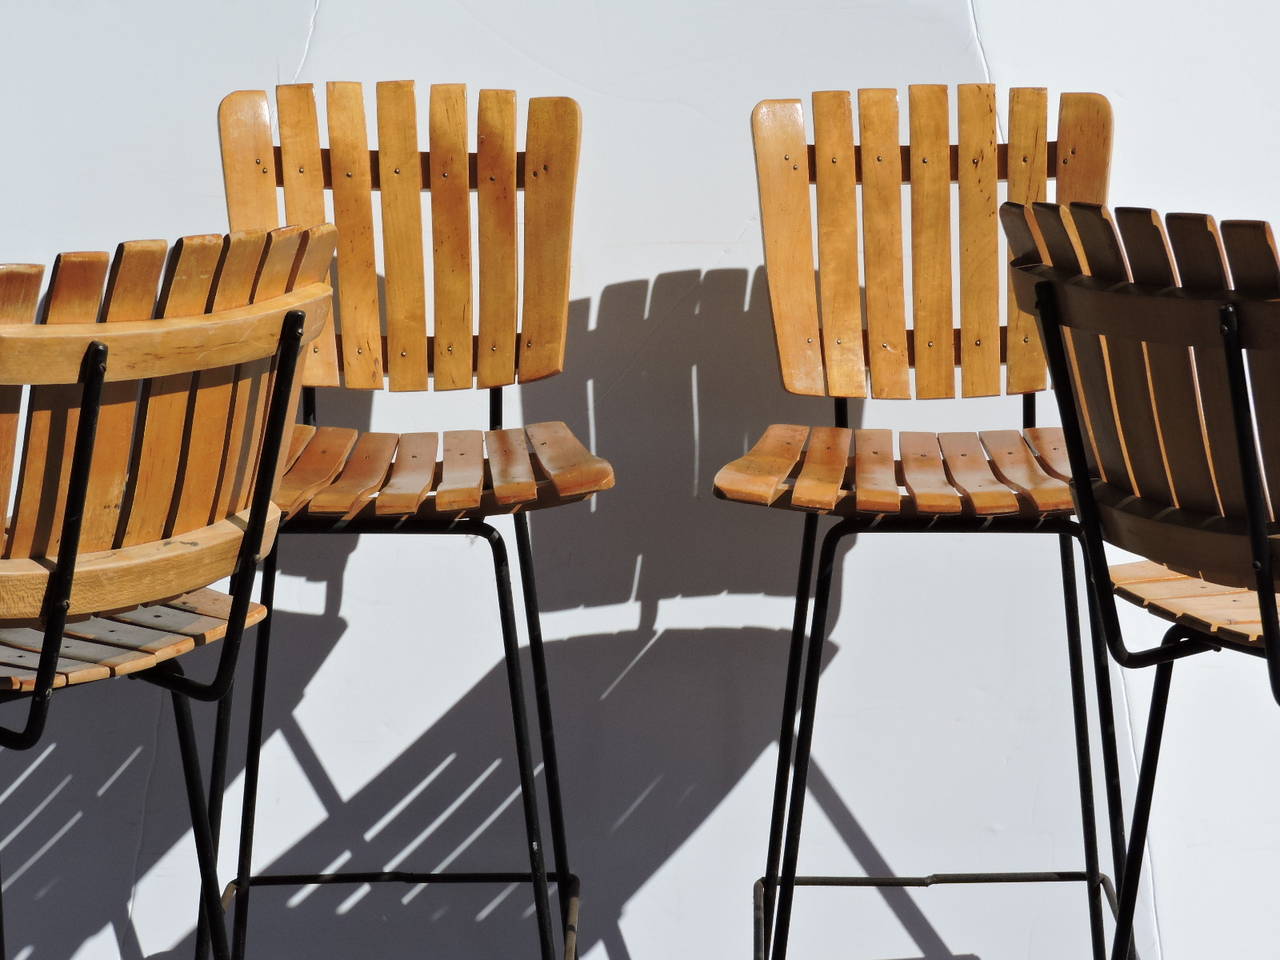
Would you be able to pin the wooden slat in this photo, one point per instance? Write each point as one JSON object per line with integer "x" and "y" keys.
{"x": 19, "y": 293}
{"x": 297, "y": 442}
{"x": 971, "y": 474}
{"x": 826, "y": 460}
{"x": 1015, "y": 464}
{"x": 551, "y": 163}
{"x": 315, "y": 468}
{"x": 511, "y": 473}
{"x": 882, "y": 242}
{"x": 1050, "y": 448}
{"x": 1172, "y": 381}
{"x": 302, "y": 171}
{"x": 69, "y": 671}
{"x": 118, "y": 661}
{"x": 760, "y": 476}
{"x": 1197, "y": 250}
{"x": 1084, "y": 148}
{"x": 838, "y": 284}
{"x": 74, "y": 296}
{"x": 572, "y": 468}
{"x": 923, "y": 474}
{"x": 786, "y": 224}
{"x": 979, "y": 251}
{"x": 496, "y": 203}
{"x": 353, "y": 215}
{"x": 1255, "y": 272}
{"x": 462, "y": 475}
{"x": 400, "y": 174}
{"x": 248, "y": 160}
{"x": 874, "y": 476}
{"x": 198, "y": 627}
{"x": 931, "y": 241}
{"x": 450, "y": 237}
{"x": 362, "y": 476}
{"x": 156, "y": 643}
{"x": 1028, "y": 153}
{"x": 412, "y": 476}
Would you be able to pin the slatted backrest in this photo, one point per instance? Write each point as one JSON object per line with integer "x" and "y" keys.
{"x": 841, "y": 321}
{"x": 179, "y": 425}
{"x": 490, "y": 304}
{"x": 1140, "y": 304}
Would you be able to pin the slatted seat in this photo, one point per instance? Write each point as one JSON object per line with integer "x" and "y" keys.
{"x": 1230, "y": 612}
{"x": 337, "y": 471}
{"x": 837, "y": 470}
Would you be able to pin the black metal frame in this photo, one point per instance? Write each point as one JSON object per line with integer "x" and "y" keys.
{"x": 538, "y": 875}
{"x": 1179, "y": 641}
{"x": 169, "y": 675}
{"x": 774, "y": 892}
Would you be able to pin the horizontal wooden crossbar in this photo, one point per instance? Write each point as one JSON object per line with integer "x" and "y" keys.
{"x": 1002, "y": 162}
{"x": 425, "y": 159}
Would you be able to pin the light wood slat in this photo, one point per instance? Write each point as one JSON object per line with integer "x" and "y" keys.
{"x": 53, "y": 414}
{"x": 118, "y": 661}
{"x": 353, "y": 216}
{"x": 1050, "y": 448}
{"x": 19, "y": 293}
{"x": 1210, "y": 612}
{"x": 760, "y": 476}
{"x": 198, "y": 627}
{"x": 1142, "y": 571}
{"x": 826, "y": 460}
{"x": 149, "y": 501}
{"x": 400, "y": 174}
{"x": 1126, "y": 360}
{"x": 510, "y": 471}
{"x": 971, "y": 474}
{"x": 1021, "y": 232}
{"x": 573, "y": 469}
{"x": 451, "y": 236}
{"x": 362, "y": 476}
{"x": 1014, "y": 464}
{"x": 1084, "y": 148}
{"x": 1028, "y": 155}
{"x": 496, "y": 202}
{"x": 248, "y": 160}
{"x": 1178, "y": 588}
{"x": 155, "y": 643}
{"x": 874, "y": 476}
{"x": 882, "y": 242}
{"x": 132, "y": 286}
{"x": 412, "y": 476}
{"x": 551, "y": 163}
{"x": 462, "y": 474}
{"x": 298, "y": 440}
{"x": 315, "y": 468}
{"x": 1172, "y": 381}
{"x": 979, "y": 252}
{"x": 1255, "y": 272}
{"x": 14, "y": 678}
{"x": 69, "y": 671}
{"x": 1202, "y": 269}
{"x": 931, "y": 241}
{"x": 923, "y": 474}
{"x": 786, "y": 225}
{"x": 213, "y": 603}
{"x": 302, "y": 171}
{"x": 838, "y": 283}
{"x": 1050, "y": 218}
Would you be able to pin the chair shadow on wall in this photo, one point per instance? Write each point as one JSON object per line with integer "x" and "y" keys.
{"x": 656, "y": 724}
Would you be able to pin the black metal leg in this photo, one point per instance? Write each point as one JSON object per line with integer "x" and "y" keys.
{"x": 1107, "y": 731}
{"x": 524, "y": 759}
{"x": 804, "y": 741}
{"x": 253, "y": 755}
{"x": 546, "y": 727}
{"x": 786, "y": 732}
{"x": 1142, "y": 810}
{"x": 217, "y": 784}
{"x": 1084, "y": 769}
{"x": 200, "y": 826}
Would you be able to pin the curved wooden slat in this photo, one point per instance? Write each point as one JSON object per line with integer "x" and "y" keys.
{"x": 1028, "y": 155}
{"x": 362, "y": 476}
{"x": 760, "y": 476}
{"x": 923, "y": 474}
{"x": 412, "y": 476}
{"x": 317, "y": 465}
{"x": 1013, "y": 462}
{"x": 496, "y": 238}
{"x": 511, "y": 474}
{"x": 248, "y": 160}
{"x": 979, "y": 260}
{"x": 931, "y": 278}
{"x": 462, "y": 475}
{"x": 19, "y": 293}
{"x": 874, "y": 478}
{"x": 572, "y": 468}
{"x": 1084, "y": 148}
{"x": 826, "y": 460}
{"x": 1050, "y": 449}
{"x": 967, "y": 466}
{"x": 451, "y": 237}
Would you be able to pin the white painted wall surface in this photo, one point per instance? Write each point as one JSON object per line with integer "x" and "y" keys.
{"x": 944, "y": 739}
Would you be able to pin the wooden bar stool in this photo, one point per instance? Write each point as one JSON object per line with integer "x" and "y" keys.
{"x": 346, "y": 482}
{"x": 146, "y": 467}
{"x": 843, "y": 334}
{"x": 1167, "y": 376}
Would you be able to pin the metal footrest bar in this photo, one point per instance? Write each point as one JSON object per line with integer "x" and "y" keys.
{"x": 396, "y": 876}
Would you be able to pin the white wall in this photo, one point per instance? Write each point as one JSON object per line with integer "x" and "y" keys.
{"x": 944, "y": 739}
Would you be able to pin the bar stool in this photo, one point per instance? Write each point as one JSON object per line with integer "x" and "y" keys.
{"x": 342, "y": 481}
{"x": 834, "y": 343}
{"x": 146, "y": 467}
{"x": 1167, "y": 376}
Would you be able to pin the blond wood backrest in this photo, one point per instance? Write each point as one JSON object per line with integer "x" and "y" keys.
{"x": 841, "y": 326}
{"x": 1139, "y": 302}
{"x": 382, "y": 331}
{"x": 191, "y": 333}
